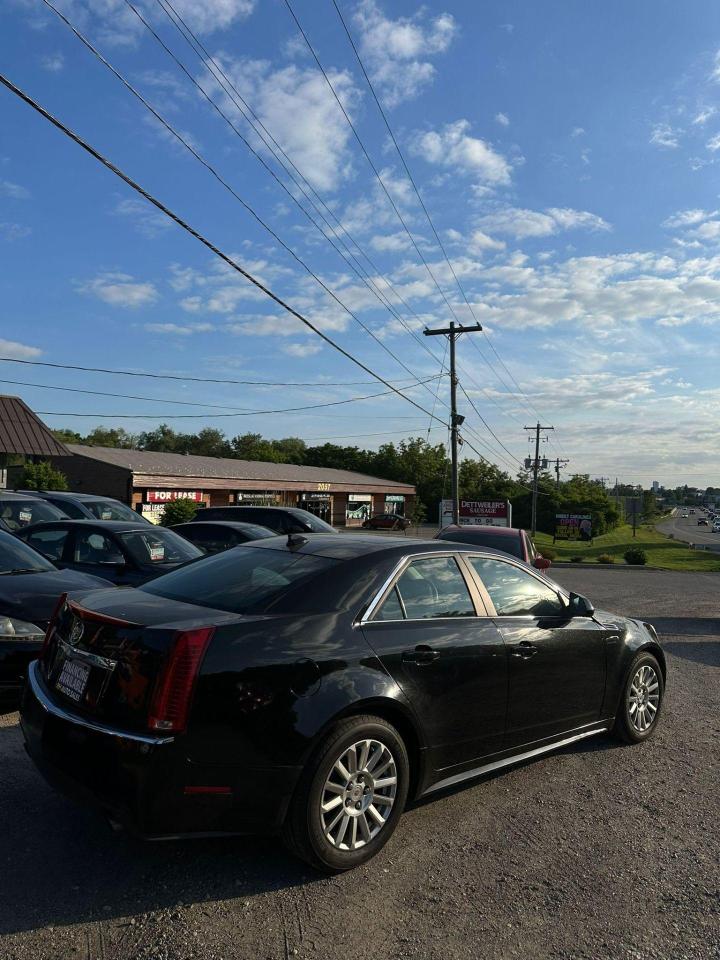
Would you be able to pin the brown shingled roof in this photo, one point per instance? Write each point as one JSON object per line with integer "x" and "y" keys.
{"x": 21, "y": 431}
{"x": 148, "y": 462}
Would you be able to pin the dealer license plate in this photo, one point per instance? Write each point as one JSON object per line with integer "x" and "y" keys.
{"x": 73, "y": 679}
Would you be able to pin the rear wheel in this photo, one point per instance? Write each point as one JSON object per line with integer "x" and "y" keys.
{"x": 641, "y": 702}
{"x": 350, "y": 796}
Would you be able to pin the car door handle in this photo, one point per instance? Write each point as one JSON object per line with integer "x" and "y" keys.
{"x": 421, "y": 654}
{"x": 524, "y": 649}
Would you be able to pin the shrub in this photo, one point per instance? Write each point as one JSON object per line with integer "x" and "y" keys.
{"x": 576, "y": 559}
{"x": 605, "y": 558}
{"x": 178, "y": 511}
{"x": 635, "y": 556}
{"x": 42, "y": 476}
{"x": 548, "y": 553}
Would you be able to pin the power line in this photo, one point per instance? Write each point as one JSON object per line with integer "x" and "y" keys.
{"x": 188, "y": 379}
{"x": 222, "y": 181}
{"x": 424, "y": 207}
{"x": 232, "y": 411}
{"x": 202, "y": 239}
{"x": 219, "y": 75}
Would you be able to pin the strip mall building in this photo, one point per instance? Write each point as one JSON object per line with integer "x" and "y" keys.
{"x": 147, "y": 480}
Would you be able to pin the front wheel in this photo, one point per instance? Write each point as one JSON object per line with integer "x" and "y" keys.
{"x": 642, "y": 697}
{"x": 350, "y": 796}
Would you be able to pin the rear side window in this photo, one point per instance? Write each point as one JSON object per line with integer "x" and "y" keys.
{"x": 48, "y": 542}
{"x": 21, "y": 513}
{"x": 111, "y": 510}
{"x": 94, "y": 546}
{"x": 250, "y": 580}
{"x": 68, "y": 507}
{"x": 429, "y": 588}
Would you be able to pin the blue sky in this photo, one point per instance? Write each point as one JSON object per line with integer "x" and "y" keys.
{"x": 567, "y": 153}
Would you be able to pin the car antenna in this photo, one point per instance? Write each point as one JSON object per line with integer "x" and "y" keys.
{"x": 295, "y": 540}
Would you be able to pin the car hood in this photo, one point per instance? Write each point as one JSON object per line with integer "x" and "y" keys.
{"x": 32, "y": 596}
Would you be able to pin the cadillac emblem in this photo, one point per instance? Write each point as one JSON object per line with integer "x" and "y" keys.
{"x": 76, "y": 631}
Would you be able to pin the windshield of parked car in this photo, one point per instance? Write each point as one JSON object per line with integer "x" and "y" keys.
{"x": 313, "y": 523}
{"x": 110, "y": 510}
{"x": 159, "y": 546}
{"x": 486, "y": 538}
{"x": 16, "y": 556}
{"x": 244, "y": 580}
{"x": 17, "y": 514}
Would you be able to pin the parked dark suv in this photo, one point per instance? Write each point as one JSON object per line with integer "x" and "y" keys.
{"x": 279, "y": 519}
{"x": 89, "y": 506}
{"x": 18, "y": 510}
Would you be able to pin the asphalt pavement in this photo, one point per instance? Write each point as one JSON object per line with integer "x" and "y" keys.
{"x": 688, "y": 530}
{"x": 597, "y": 852}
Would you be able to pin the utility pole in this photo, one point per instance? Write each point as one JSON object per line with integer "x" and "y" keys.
{"x": 536, "y": 467}
{"x": 558, "y": 465}
{"x": 452, "y": 332}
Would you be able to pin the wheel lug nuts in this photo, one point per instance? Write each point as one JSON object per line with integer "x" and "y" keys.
{"x": 357, "y": 806}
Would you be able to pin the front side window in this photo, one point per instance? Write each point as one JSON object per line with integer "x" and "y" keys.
{"x": 429, "y": 588}
{"x": 16, "y": 555}
{"x": 93, "y": 546}
{"x": 516, "y": 593}
{"x": 111, "y": 510}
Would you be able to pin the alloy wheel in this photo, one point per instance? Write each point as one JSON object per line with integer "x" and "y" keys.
{"x": 358, "y": 795}
{"x": 644, "y": 698}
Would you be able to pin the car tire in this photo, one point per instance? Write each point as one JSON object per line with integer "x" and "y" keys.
{"x": 641, "y": 702}
{"x": 326, "y": 838}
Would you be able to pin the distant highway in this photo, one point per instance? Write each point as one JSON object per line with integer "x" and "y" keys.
{"x": 689, "y": 531}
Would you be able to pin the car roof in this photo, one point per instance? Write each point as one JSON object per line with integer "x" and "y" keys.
{"x": 14, "y": 495}
{"x": 230, "y": 524}
{"x": 70, "y": 495}
{"x": 114, "y": 526}
{"x": 351, "y": 546}
{"x": 480, "y": 528}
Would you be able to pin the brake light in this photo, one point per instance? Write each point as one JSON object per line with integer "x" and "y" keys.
{"x": 173, "y": 695}
{"x": 51, "y": 626}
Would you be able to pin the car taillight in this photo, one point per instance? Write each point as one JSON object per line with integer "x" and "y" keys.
{"x": 171, "y": 701}
{"x": 51, "y": 626}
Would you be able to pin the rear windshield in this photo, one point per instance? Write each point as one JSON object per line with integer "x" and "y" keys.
{"x": 111, "y": 510}
{"x": 244, "y": 580}
{"x": 485, "y": 538}
{"x": 17, "y": 514}
{"x": 159, "y": 546}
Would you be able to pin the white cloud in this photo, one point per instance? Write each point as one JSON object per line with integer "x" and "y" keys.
{"x": 19, "y": 351}
{"x": 502, "y": 119}
{"x": 301, "y": 349}
{"x": 577, "y": 132}
{"x": 396, "y": 51}
{"x": 480, "y": 241}
{"x": 703, "y": 115}
{"x": 144, "y": 217}
{"x": 521, "y": 223}
{"x": 713, "y": 143}
{"x": 663, "y": 135}
{"x": 53, "y": 62}
{"x": 715, "y": 75}
{"x": 14, "y": 231}
{"x": 182, "y": 330}
{"x": 298, "y": 108}
{"x": 120, "y": 290}
{"x": 13, "y": 190}
{"x": 687, "y": 218}
{"x": 391, "y": 243}
{"x": 454, "y": 147}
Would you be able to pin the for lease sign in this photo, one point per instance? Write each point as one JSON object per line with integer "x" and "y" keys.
{"x": 165, "y": 496}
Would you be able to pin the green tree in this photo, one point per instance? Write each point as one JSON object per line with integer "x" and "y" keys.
{"x": 67, "y": 436}
{"x": 110, "y": 437}
{"x": 177, "y": 511}
{"x": 42, "y": 476}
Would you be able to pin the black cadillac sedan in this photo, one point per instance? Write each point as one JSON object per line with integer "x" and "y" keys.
{"x": 312, "y": 685}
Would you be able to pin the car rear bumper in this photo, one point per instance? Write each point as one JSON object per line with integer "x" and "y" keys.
{"x": 147, "y": 783}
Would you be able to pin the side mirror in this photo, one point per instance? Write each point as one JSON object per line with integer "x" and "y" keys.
{"x": 542, "y": 563}
{"x": 580, "y": 606}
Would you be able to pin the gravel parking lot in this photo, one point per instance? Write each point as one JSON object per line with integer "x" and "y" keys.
{"x": 598, "y": 851}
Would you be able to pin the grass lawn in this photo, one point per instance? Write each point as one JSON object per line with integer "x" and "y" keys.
{"x": 662, "y": 552}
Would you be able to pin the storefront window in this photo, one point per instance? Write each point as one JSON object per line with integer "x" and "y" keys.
{"x": 395, "y": 504}
{"x": 359, "y": 508}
